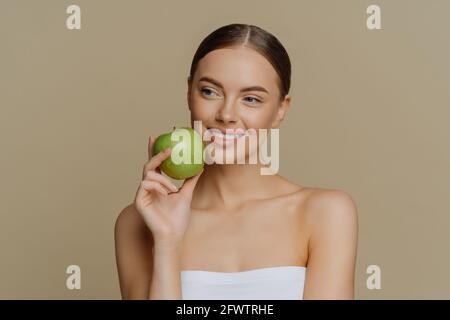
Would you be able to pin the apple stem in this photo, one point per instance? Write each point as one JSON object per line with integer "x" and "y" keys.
{"x": 174, "y": 128}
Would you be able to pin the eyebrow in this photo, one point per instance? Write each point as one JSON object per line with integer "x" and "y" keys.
{"x": 217, "y": 83}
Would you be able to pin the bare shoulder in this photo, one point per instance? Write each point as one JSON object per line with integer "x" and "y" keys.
{"x": 330, "y": 201}
{"x": 318, "y": 204}
{"x": 128, "y": 214}
{"x": 330, "y": 208}
{"x": 129, "y": 220}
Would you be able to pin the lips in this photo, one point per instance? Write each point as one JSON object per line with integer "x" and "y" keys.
{"x": 225, "y": 136}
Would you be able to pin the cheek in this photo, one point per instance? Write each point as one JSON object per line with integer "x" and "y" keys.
{"x": 258, "y": 118}
{"x": 201, "y": 110}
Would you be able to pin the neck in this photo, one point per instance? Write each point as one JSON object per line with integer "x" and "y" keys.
{"x": 228, "y": 186}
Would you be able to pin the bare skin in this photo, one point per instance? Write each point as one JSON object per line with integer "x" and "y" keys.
{"x": 230, "y": 218}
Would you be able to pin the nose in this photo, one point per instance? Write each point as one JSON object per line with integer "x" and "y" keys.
{"x": 227, "y": 113}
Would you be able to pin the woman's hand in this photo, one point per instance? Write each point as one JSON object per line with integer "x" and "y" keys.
{"x": 164, "y": 208}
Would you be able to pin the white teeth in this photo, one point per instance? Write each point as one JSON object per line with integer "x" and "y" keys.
{"x": 228, "y": 136}
{"x": 221, "y": 135}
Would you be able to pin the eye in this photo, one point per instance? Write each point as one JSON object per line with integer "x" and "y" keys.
{"x": 203, "y": 90}
{"x": 255, "y": 99}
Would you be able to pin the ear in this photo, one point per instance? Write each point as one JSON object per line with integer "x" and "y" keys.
{"x": 281, "y": 112}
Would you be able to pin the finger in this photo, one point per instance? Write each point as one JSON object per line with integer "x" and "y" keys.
{"x": 152, "y": 175}
{"x": 140, "y": 192}
{"x": 189, "y": 184}
{"x": 156, "y": 160}
{"x": 154, "y": 186}
{"x": 151, "y": 141}
{"x": 147, "y": 168}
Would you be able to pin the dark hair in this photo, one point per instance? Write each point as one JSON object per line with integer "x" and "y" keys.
{"x": 253, "y": 37}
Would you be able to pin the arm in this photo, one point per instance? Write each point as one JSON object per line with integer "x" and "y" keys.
{"x": 134, "y": 256}
{"x": 332, "y": 246}
{"x": 166, "y": 282}
{"x": 149, "y": 233}
{"x": 146, "y": 270}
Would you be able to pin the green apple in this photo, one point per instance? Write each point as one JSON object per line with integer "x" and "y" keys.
{"x": 186, "y": 158}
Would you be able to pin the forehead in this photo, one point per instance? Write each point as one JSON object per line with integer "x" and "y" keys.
{"x": 237, "y": 67}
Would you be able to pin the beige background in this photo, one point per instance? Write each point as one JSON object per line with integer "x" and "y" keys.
{"x": 369, "y": 116}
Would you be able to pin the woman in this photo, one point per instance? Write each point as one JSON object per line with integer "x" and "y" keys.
{"x": 231, "y": 232}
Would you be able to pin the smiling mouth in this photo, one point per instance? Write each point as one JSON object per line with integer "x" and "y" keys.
{"x": 230, "y": 136}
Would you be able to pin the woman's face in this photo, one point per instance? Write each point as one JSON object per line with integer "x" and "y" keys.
{"x": 235, "y": 88}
